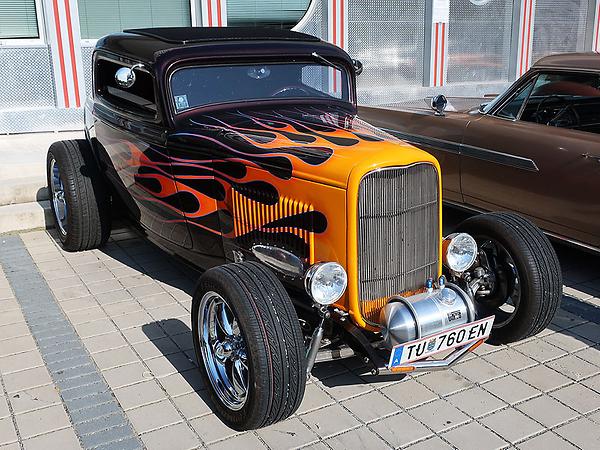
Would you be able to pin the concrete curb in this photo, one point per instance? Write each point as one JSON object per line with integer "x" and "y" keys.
{"x": 23, "y": 190}
{"x": 25, "y": 216}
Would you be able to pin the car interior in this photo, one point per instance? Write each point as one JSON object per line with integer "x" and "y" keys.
{"x": 561, "y": 100}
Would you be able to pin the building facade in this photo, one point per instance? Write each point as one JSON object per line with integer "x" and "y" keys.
{"x": 409, "y": 48}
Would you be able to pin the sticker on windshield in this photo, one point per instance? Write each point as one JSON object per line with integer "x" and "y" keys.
{"x": 181, "y": 102}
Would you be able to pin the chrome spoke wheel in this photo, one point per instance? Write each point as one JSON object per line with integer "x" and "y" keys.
{"x": 59, "y": 202}
{"x": 223, "y": 350}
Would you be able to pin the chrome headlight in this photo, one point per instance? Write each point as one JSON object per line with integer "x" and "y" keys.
{"x": 326, "y": 282}
{"x": 460, "y": 251}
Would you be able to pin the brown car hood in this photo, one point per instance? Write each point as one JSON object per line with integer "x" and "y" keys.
{"x": 455, "y": 104}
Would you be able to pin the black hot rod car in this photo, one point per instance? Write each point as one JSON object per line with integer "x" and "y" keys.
{"x": 240, "y": 151}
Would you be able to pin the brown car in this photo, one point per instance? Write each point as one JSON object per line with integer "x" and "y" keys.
{"x": 535, "y": 149}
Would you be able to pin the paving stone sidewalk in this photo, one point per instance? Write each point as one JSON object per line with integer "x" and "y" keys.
{"x": 127, "y": 309}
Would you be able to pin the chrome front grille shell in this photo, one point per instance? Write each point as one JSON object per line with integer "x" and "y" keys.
{"x": 398, "y": 234}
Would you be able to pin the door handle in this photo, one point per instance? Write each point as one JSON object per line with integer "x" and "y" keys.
{"x": 588, "y": 156}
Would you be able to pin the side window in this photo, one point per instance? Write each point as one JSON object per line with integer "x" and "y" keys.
{"x": 138, "y": 99}
{"x": 566, "y": 100}
{"x": 511, "y": 109}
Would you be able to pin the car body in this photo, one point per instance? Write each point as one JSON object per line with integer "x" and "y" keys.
{"x": 240, "y": 151}
{"x": 511, "y": 154}
{"x": 299, "y": 160}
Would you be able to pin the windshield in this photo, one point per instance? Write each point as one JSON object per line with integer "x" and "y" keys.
{"x": 206, "y": 85}
{"x": 487, "y": 107}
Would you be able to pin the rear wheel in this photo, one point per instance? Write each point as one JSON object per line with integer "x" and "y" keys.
{"x": 525, "y": 280}
{"x": 249, "y": 345}
{"x": 78, "y": 196}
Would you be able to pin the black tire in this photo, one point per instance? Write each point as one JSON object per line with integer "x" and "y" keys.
{"x": 537, "y": 266}
{"x": 85, "y": 193}
{"x": 274, "y": 343}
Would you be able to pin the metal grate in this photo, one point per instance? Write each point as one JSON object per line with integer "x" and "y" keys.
{"x": 26, "y": 78}
{"x": 479, "y": 36}
{"x": 559, "y": 27}
{"x": 387, "y": 37}
{"x": 86, "y": 61}
{"x": 398, "y": 234}
{"x": 314, "y": 21}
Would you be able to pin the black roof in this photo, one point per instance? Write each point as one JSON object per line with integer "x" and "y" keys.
{"x": 192, "y": 35}
{"x": 164, "y": 46}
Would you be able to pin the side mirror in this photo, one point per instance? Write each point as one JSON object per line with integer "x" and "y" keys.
{"x": 358, "y": 66}
{"x": 438, "y": 104}
{"x": 125, "y": 76}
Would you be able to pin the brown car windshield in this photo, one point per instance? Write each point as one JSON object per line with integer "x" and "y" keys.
{"x": 192, "y": 87}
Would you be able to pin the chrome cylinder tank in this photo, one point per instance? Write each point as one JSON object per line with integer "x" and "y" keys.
{"x": 405, "y": 319}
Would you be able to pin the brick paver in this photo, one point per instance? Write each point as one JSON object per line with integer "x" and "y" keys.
{"x": 127, "y": 339}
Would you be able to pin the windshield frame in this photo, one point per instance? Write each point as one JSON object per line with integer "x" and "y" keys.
{"x": 339, "y": 65}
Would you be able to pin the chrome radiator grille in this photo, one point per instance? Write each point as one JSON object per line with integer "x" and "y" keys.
{"x": 398, "y": 234}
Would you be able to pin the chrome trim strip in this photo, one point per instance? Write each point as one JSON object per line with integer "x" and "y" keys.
{"x": 471, "y": 151}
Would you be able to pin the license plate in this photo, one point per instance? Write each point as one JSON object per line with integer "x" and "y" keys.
{"x": 456, "y": 337}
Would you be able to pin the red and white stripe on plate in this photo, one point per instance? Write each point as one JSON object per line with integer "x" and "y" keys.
{"x": 62, "y": 20}
{"x": 526, "y": 22}
{"x": 337, "y": 33}
{"x": 214, "y": 13}
{"x": 439, "y": 54}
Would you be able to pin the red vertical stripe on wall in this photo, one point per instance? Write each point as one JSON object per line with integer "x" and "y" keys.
{"x": 435, "y": 55}
{"x": 209, "y": 8}
{"x": 72, "y": 53}
{"x": 219, "y": 20}
{"x": 334, "y": 6}
{"x": 342, "y": 23}
{"x": 597, "y": 27}
{"x": 528, "y": 35}
{"x": 442, "y": 54}
{"x": 334, "y": 13}
{"x": 61, "y": 58}
{"x": 521, "y": 50}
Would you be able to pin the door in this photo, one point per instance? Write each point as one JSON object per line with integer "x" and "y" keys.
{"x": 131, "y": 145}
{"x": 538, "y": 154}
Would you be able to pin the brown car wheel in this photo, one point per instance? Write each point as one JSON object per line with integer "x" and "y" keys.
{"x": 249, "y": 345}
{"x": 79, "y": 198}
{"x": 528, "y": 279}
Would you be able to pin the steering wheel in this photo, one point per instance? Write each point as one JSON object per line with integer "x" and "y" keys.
{"x": 563, "y": 116}
{"x": 290, "y": 91}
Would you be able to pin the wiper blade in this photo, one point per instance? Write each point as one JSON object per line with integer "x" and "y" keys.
{"x": 324, "y": 60}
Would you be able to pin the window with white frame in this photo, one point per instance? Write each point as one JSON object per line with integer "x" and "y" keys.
{"x": 101, "y": 17}
{"x": 279, "y": 13}
{"x": 18, "y": 19}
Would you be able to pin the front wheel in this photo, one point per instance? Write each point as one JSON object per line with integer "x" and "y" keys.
{"x": 249, "y": 345}
{"x": 523, "y": 283}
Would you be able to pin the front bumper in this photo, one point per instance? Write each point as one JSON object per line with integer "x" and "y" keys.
{"x": 434, "y": 364}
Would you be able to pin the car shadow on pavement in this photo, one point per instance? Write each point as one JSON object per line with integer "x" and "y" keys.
{"x": 324, "y": 371}
{"x": 174, "y": 328}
